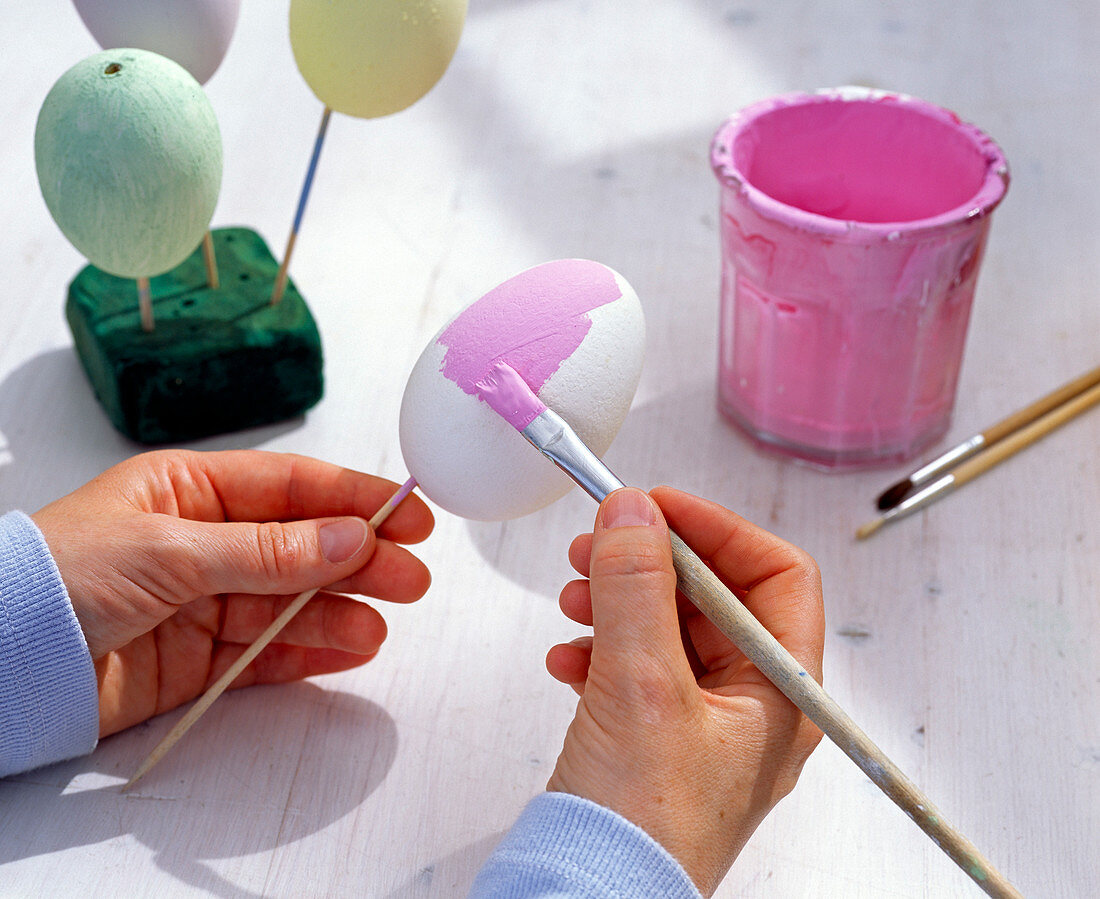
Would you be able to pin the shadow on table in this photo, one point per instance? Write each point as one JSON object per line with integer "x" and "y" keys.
{"x": 56, "y": 436}
{"x": 278, "y": 772}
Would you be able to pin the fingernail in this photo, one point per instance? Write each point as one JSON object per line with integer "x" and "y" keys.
{"x": 628, "y": 508}
{"x": 341, "y": 539}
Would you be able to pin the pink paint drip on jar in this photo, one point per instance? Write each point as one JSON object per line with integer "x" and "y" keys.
{"x": 853, "y": 224}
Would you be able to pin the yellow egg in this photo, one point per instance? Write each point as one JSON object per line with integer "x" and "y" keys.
{"x": 370, "y": 58}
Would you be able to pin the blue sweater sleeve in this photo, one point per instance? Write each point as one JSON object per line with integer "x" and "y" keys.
{"x": 563, "y": 847}
{"x": 49, "y": 705}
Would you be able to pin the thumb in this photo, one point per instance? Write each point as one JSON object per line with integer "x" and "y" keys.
{"x": 633, "y": 584}
{"x": 273, "y": 557}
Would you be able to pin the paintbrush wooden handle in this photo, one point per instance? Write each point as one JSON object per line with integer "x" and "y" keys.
{"x": 1041, "y": 407}
{"x": 893, "y": 495}
{"x": 1023, "y": 438}
{"x": 703, "y": 587}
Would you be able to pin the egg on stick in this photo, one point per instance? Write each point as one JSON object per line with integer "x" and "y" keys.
{"x": 574, "y": 330}
{"x": 366, "y": 60}
{"x": 194, "y": 33}
{"x": 129, "y": 160}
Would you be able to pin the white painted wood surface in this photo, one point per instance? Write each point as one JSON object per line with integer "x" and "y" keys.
{"x": 966, "y": 641}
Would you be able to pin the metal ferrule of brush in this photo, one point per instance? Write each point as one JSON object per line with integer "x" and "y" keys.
{"x": 552, "y": 436}
{"x": 953, "y": 456}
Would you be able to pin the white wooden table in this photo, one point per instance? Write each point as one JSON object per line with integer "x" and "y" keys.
{"x": 966, "y": 641}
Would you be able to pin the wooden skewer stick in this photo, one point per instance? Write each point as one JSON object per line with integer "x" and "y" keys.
{"x": 971, "y": 468}
{"x": 280, "y": 279}
{"x": 219, "y": 686}
{"x": 894, "y": 494}
{"x": 222, "y": 683}
{"x": 145, "y": 304}
{"x": 211, "y": 261}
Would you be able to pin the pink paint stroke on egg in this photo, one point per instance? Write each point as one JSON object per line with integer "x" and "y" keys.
{"x": 568, "y": 335}
{"x": 533, "y": 322}
{"x": 507, "y": 394}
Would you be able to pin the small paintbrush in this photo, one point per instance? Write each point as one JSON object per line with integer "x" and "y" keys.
{"x": 508, "y": 394}
{"x": 979, "y": 463}
{"x": 893, "y": 496}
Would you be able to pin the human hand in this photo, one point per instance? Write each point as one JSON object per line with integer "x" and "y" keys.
{"x": 675, "y": 729}
{"x": 176, "y": 561}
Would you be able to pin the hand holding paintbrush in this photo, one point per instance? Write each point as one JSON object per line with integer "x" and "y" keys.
{"x": 572, "y": 326}
{"x": 506, "y": 392}
{"x": 705, "y": 751}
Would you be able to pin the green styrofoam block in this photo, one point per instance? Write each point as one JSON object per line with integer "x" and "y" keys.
{"x": 216, "y": 361}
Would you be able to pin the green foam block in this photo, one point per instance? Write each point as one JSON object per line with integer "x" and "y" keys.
{"x": 216, "y": 361}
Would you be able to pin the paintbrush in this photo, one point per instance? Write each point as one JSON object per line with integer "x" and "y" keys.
{"x": 257, "y": 646}
{"x": 980, "y": 463}
{"x": 893, "y": 495}
{"x": 508, "y": 394}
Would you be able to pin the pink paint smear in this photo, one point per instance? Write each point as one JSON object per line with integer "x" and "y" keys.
{"x": 508, "y": 395}
{"x": 533, "y": 322}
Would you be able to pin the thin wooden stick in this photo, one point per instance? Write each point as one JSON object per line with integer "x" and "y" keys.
{"x": 894, "y": 494}
{"x": 971, "y": 468}
{"x": 145, "y": 304}
{"x": 703, "y": 587}
{"x": 259, "y": 644}
{"x": 280, "y": 279}
{"x": 220, "y": 685}
{"x": 1023, "y": 438}
{"x": 392, "y": 503}
{"x": 211, "y": 261}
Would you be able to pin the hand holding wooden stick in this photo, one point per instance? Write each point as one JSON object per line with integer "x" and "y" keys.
{"x": 222, "y": 683}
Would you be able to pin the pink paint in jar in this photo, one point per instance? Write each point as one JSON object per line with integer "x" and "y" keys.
{"x": 853, "y": 226}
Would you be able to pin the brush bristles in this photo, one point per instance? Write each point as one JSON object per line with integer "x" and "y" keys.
{"x": 893, "y": 495}
{"x": 868, "y": 529}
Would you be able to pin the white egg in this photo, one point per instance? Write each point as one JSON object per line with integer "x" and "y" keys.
{"x": 194, "y": 33}
{"x": 574, "y": 330}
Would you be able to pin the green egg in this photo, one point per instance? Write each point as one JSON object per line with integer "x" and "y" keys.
{"x": 129, "y": 161}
